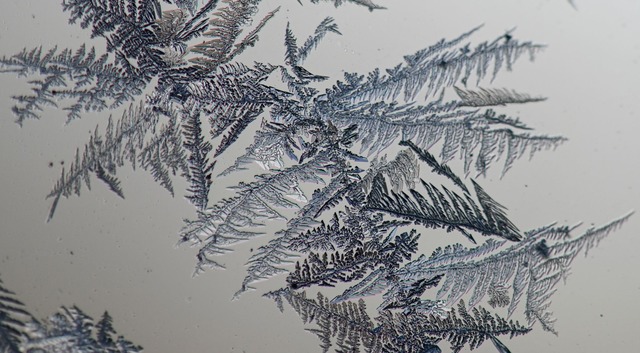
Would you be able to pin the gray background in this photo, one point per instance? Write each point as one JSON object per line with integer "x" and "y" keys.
{"x": 101, "y": 252}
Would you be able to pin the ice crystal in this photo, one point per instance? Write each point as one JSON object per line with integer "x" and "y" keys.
{"x": 68, "y": 331}
{"x": 375, "y": 147}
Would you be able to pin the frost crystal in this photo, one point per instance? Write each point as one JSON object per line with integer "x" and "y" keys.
{"x": 374, "y": 147}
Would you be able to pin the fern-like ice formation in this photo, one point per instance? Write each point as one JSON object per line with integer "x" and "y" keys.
{"x": 68, "y": 331}
{"x": 351, "y": 327}
{"x": 179, "y": 68}
{"x": 531, "y": 268}
{"x": 13, "y": 321}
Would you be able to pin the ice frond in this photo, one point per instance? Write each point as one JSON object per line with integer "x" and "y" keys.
{"x": 524, "y": 274}
{"x": 345, "y": 230}
{"x": 439, "y": 66}
{"x": 225, "y": 27}
{"x": 403, "y": 170}
{"x": 305, "y": 234}
{"x": 232, "y": 98}
{"x": 169, "y": 24}
{"x": 13, "y": 321}
{"x": 123, "y": 140}
{"x": 110, "y": 180}
{"x": 346, "y": 323}
{"x": 356, "y": 230}
{"x": 164, "y": 154}
{"x": 71, "y": 330}
{"x": 270, "y": 259}
{"x": 126, "y": 27}
{"x": 295, "y": 56}
{"x": 291, "y": 47}
{"x": 460, "y": 328}
{"x": 442, "y": 208}
{"x": 327, "y": 25}
{"x": 355, "y": 262}
{"x": 326, "y": 155}
{"x": 272, "y": 143}
{"x": 88, "y": 80}
{"x": 480, "y": 138}
{"x": 383, "y": 279}
{"x": 349, "y": 227}
{"x": 175, "y": 28}
{"x": 172, "y": 31}
{"x": 242, "y": 116}
{"x": 68, "y": 331}
{"x": 299, "y": 77}
{"x": 200, "y": 169}
{"x": 252, "y": 37}
{"x": 492, "y": 97}
{"x": 222, "y": 224}
{"x": 233, "y": 82}
{"x": 437, "y": 168}
{"x": 348, "y": 326}
{"x": 189, "y": 5}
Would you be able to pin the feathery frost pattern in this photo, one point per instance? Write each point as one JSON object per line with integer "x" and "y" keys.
{"x": 357, "y": 172}
{"x": 13, "y": 321}
{"x": 352, "y": 328}
{"x": 69, "y": 330}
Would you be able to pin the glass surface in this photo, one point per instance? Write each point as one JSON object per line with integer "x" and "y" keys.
{"x": 102, "y": 252}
